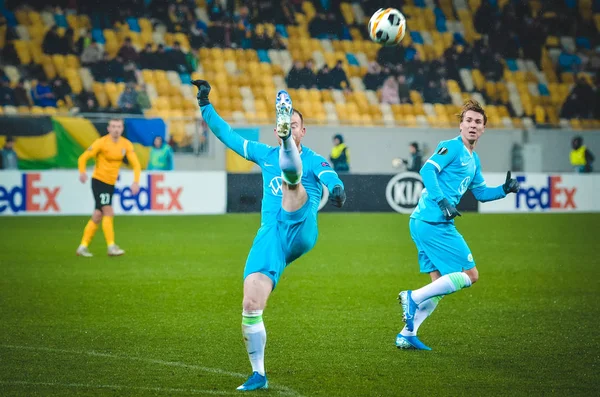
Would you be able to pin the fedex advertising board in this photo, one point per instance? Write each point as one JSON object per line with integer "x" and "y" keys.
{"x": 161, "y": 193}
{"x": 546, "y": 193}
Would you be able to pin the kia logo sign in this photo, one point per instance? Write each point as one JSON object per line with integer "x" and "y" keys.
{"x": 403, "y": 191}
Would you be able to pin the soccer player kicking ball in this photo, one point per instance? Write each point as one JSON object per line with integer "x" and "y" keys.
{"x": 292, "y": 176}
{"x": 443, "y": 252}
{"x": 109, "y": 152}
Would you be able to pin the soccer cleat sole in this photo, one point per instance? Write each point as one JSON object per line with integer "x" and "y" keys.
{"x": 283, "y": 111}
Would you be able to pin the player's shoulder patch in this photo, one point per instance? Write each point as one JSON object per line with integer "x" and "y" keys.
{"x": 442, "y": 151}
{"x": 325, "y": 164}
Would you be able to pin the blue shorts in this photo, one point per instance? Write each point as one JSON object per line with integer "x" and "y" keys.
{"x": 278, "y": 244}
{"x": 441, "y": 247}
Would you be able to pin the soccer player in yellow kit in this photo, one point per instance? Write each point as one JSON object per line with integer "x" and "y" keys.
{"x": 109, "y": 152}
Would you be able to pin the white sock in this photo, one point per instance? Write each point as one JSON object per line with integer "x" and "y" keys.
{"x": 290, "y": 162}
{"x": 425, "y": 309}
{"x": 255, "y": 337}
{"x": 442, "y": 286}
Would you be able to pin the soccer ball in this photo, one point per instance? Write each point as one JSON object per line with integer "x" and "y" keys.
{"x": 387, "y": 26}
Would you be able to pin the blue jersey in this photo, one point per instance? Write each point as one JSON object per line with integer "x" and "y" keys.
{"x": 448, "y": 173}
{"x": 315, "y": 169}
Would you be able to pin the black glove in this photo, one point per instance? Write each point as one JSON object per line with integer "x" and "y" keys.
{"x": 203, "y": 91}
{"x": 511, "y": 185}
{"x": 450, "y": 212}
{"x": 337, "y": 196}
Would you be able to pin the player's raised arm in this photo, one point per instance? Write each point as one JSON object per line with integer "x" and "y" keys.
{"x": 330, "y": 178}
{"x": 247, "y": 149}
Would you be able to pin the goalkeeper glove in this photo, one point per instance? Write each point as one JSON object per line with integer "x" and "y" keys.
{"x": 510, "y": 185}
{"x": 450, "y": 212}
{"x": 337, "y": 196}
{"x": 203, "y": 91}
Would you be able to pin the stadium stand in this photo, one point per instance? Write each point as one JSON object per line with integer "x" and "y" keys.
{"x": 525, "y": 60}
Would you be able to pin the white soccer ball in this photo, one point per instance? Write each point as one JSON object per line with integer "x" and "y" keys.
{"x": 387, "y": 26}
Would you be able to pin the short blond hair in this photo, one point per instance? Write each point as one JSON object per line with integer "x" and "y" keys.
{"x": 475, "y": 106}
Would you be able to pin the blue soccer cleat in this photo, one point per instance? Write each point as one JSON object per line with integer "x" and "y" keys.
{"x": 255, "y": 381}
{"x": 409, "y": 307}
{"x": 283, "y": 112}
{"x": 410, "y": 342}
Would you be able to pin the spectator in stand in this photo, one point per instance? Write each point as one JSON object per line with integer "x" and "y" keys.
{"x": 492, "y": 68}
{"x": 373, "y": 79}
{"x": 415, "y": 162}
{"x": 51, "y": 44}
{"x": 91, "y": 54}
{"x": 43, "y": 95}
{"x": 293, "y": 77}
{"x": 84, "y": 41}
{"x": 67, "y": 43}
{"x": 99, "y": 69}
{"x": 338, "y": 75}
{"x": 403, "y": 89}
{"x": 308, "y": 79}
{"x": 161, "y": 58}
{"x": 324, "y": 80}
{"x": 199, "y": 38}
{"x": 21, "y": 97}
{"x": 61, "y": 89}
{"x": 278, "y": 43}
{"x": 116, "y": 69}
{"x": 128, "y": 101}
{"x": 260, "y": 39}
{"x": 389, "y": 91}
{"x": 127, "y": 52}
{"x": 143, "y": 100}
{"x": 147, "y": 58}
{"x": 87, "y": 102}
{"x": 7, "y": 95}
{"x": 391, "y": 55}
{"x": 319, "y": 27}
{"x": 177, "y": 59}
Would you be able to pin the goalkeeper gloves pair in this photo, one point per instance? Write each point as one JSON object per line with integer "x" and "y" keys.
{"x": 450, "y": 212}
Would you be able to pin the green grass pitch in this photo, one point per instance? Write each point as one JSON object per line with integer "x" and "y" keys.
{"x": 164, "y": 320}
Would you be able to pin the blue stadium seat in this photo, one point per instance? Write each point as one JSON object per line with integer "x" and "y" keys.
{"x": 458, "y": 39}
{"x": 282, "y": 31}
{"x": 134, "y": 26}
{"x": 543, "y": 89}
{"x": 352, "y": 59}
{"x": 185, "y": 78}
{"x": 420, "y": 3}
{"x": 409, "y": 54}
{"x": 512, "y": 65}
{"x": 61, "y": 21}
{"x": 583, "y": 42}
{"x": 416, "y": 37}
{"x": 98, "y": 35}
{"x": 263, "y": 56}
{"x": 11, "y": 19}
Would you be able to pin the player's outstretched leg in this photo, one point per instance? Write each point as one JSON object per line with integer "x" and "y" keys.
{"x": 289, "y": 158}
{"x": 257, "y": 288}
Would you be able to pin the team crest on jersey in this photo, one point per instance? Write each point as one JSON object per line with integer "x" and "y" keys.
{"x": 123, "y": 151}
{"x": 442, "y": 151}
{"x": 276, "y": 186}
{"x": 464, "y": 185}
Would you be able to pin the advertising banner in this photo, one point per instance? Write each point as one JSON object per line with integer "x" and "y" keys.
{"x": 161, "y": 193}
{"x": 365, "y": 193}
{"x": 546, "y": 193}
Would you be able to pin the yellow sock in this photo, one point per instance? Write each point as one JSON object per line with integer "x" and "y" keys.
{"x": 108, "y": 229}
{"x": 88, "y": 233}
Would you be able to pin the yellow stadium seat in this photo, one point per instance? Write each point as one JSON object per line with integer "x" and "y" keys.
{"x": 37, "y": 110}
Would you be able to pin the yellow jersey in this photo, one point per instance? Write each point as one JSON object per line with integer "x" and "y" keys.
{"x": 109, "y": 156}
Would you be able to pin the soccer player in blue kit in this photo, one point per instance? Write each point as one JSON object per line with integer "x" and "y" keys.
{"x": 442, "y": 250}
{"x": 292, "y": 177}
